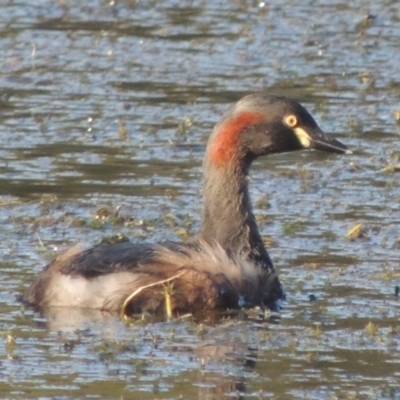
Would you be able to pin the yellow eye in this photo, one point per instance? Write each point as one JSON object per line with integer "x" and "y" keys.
{"x": 290, "y": 121}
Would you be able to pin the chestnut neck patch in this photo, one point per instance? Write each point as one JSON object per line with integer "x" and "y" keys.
{"x": 225, "y": 146}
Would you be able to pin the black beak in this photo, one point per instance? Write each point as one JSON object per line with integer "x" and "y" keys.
{"x": 322, "y": 141}
{"x": 314, "y": 138}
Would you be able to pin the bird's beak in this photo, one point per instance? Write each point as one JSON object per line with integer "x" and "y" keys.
{"x": 314, "y": 138}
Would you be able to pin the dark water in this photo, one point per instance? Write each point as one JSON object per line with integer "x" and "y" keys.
{"x": 105, "y": 108}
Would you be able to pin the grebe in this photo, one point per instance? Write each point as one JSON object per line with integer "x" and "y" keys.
{"x": 226, "y": 265}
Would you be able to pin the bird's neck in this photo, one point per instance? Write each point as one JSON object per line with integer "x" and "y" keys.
{"x": 228, "y": 217}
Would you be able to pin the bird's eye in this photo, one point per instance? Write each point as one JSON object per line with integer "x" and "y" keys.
{"x": 290, "y": 121}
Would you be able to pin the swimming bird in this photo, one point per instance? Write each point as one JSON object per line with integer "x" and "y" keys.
{"x": 226, "y": 265}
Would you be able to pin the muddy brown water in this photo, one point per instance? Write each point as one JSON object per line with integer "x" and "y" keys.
{"x": 105, "y": 109}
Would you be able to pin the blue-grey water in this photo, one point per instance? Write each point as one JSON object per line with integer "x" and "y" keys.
{"x": 105, "y": 109}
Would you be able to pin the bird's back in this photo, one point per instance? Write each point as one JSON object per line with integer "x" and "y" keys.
{"x": 133, "y": 278}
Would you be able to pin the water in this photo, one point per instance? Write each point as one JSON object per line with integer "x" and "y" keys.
{"x": 105, "y": 109}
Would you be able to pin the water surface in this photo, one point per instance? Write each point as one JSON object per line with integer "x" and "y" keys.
{"x": 105, "y": 109}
